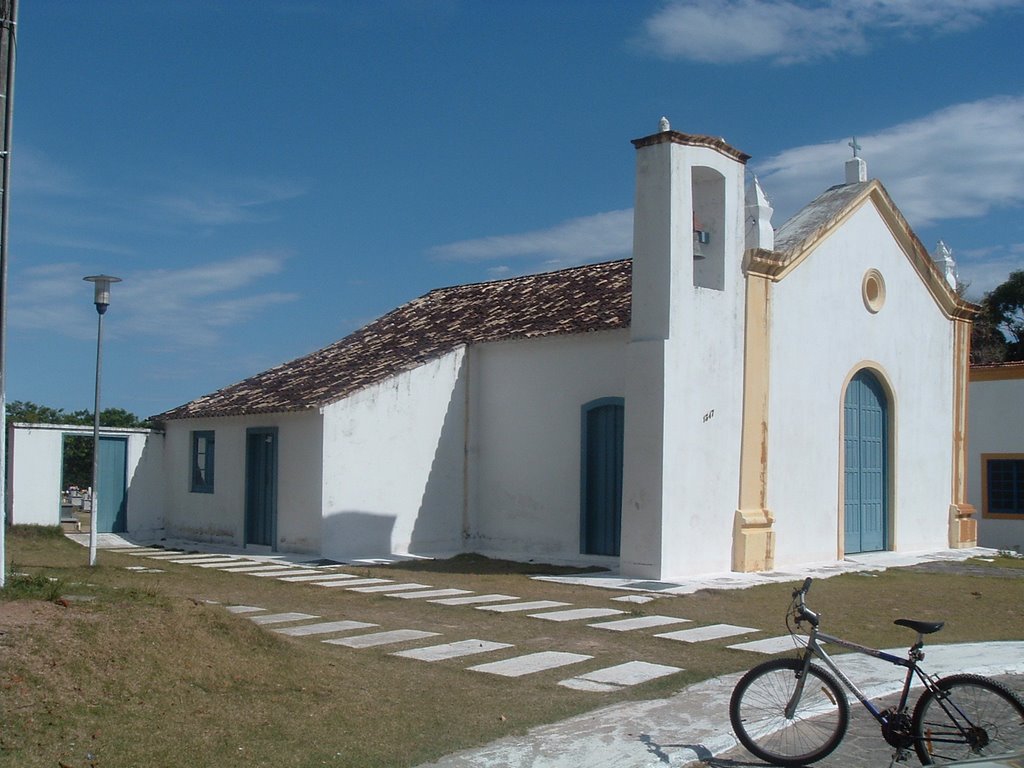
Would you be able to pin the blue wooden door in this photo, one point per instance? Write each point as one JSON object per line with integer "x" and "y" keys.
{"x": 112, "y": 512}
{"x": 261, "y": 486}
{"x": 601, "y": 486}
{"x": 866, "y": 453}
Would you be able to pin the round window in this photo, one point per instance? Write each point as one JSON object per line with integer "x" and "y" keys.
{"x": 873, "y": 290}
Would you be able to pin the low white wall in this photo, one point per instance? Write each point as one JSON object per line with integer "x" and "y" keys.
{"x": 821, "y": 335}
{"x": 35, "y": 454}
{"x": 393, "y": 456}
{"x": 220, "y": 516}
{"x": 995, "y": 425}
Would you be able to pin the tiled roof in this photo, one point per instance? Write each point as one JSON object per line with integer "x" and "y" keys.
{"x": 595, "y": 297}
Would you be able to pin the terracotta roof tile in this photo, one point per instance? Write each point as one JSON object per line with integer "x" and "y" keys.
{"x": 595, "y": 297}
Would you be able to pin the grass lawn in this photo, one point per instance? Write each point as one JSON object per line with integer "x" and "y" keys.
{"x": 108, "y": 667}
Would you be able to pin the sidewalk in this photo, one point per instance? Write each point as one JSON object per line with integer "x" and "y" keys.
{"x": 694, "y": 723}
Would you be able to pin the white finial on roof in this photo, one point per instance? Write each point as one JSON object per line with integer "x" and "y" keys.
{"x": 759, "y": 232}
{"x": 856, "y": 168}
{"x": 663, "y": 125}
{"x": 943, "y": 258}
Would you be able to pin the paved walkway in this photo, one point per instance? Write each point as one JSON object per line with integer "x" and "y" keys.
{"x": 689, "y": 726}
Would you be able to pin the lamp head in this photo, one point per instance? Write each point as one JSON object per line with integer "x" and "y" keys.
{"x": 102, "y": 285}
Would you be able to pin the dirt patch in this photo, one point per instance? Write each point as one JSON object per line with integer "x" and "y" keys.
{"x": 22, "y": 614}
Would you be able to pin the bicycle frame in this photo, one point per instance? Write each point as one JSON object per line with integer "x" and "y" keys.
{"x": 814, "y": 649}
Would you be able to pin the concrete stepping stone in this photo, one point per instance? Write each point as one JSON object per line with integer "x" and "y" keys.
{"x": 424, "y": 594}
{"x": 142, "y": 551}
{"x": 473, "y": 599}
{"x": 235, "y": 561}
{"x": 619, "y": 676}
{"x": 639, "y": 599}
{"x": 381, "y": 638}
{"x": 575, "y": 614}
{"x": 531, "y": 663}
{"x": 144, "y": 569}
{"x": 452, "y": 650}
{"x": 323, "y": 628}
{"x": 244, "y": 609}
{"x": 192, "y": 559}
{"x": 328, "y": 582}
{"x": 275, "y": 574}
{"x": 536, "y": 605}
{"x": 391, "y": 587}
{"x": 710, "y": 632}
{"x": 161, "y": 554}
{"x": 258, "y": 567}
{"x": 280, "y": 618}
{"x": 772, "y": 644}
{"x": 638, "y": 622}
{"x": 318, "y": 576}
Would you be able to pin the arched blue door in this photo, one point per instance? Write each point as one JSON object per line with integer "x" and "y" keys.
{"x": 866, "y": 460}
{"x": 601, "y": 483}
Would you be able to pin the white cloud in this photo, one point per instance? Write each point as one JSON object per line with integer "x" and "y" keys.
{"x": 787, "y": 31}
{"x": 213, "y": 203}
{"x": 984, "y": 269}
{"x": 586, "y": 239}
{"x": 960, "y": 162}
{"x": 180, "y": 308}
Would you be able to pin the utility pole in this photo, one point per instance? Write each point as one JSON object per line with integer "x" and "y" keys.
{"x": 8, "y": 50}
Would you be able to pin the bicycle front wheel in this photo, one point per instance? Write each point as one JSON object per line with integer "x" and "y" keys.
{"x": 967, "y": 716}
{"x": 757, "y": 711}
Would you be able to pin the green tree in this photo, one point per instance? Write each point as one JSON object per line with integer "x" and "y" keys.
{"x": 1003, "y": 308}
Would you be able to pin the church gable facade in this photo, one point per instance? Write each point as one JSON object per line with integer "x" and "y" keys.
{"x": 731, "y": 398}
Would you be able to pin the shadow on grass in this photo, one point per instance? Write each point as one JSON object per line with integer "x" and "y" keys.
{"x": 478, "y": 565}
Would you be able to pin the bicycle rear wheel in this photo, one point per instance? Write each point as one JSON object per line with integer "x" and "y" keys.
{"x": 757, "y": 712}
{"x": 970, "y": 716}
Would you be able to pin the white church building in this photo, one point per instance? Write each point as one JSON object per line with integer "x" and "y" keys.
{"x": 732, "y": 397}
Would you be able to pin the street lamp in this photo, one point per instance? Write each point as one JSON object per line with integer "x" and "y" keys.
{"x": 102, "y": 285}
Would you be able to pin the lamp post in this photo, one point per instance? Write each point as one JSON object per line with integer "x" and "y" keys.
{"x": 102, "y": 285}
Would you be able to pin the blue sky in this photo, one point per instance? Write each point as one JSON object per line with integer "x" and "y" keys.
{"x": 267, "y": 177}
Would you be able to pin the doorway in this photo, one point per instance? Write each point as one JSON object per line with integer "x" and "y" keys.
{"x": 865, "y": 465}
{"x": 601, "y": 482}
{"x": 261, "y": 486}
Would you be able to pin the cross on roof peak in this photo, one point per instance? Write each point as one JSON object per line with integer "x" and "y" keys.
{"x": 854, "y": 146}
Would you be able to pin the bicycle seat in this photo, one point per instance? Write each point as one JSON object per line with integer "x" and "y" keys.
{"x": 921, "y": 627}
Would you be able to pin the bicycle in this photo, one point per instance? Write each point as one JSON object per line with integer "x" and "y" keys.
{"x": 792, "y": 712}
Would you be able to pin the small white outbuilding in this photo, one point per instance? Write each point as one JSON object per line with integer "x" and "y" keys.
{"x": 734, "y": 397}
{"x": 996, "y": 476}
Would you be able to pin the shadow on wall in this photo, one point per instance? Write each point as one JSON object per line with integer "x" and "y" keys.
{"x": 360, "y": 534}
{"x": 438, "y": 524}
{"x": 146, "y": 489}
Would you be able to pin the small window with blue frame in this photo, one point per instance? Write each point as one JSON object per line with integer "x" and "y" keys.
{"x": 202, "y": 462}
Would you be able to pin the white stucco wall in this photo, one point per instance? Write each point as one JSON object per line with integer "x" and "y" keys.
{"x": 393, "y": 456}
{"x": 220, "y": 516}
{"x": 685, "y": 365}
{"x": 35, "y": 474}
{"x": 822, "y": 334}
{"x": 996, "y": 425}
{"x": 526, "y": 439}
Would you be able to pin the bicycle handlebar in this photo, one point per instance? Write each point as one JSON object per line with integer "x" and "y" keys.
{"x": 800, "y": 609}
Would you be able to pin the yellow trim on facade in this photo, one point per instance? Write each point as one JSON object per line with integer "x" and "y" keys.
{"x": 753, "y": 538}
{"x": 963, "y": 528}
{"x": 1000, "y": 372}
